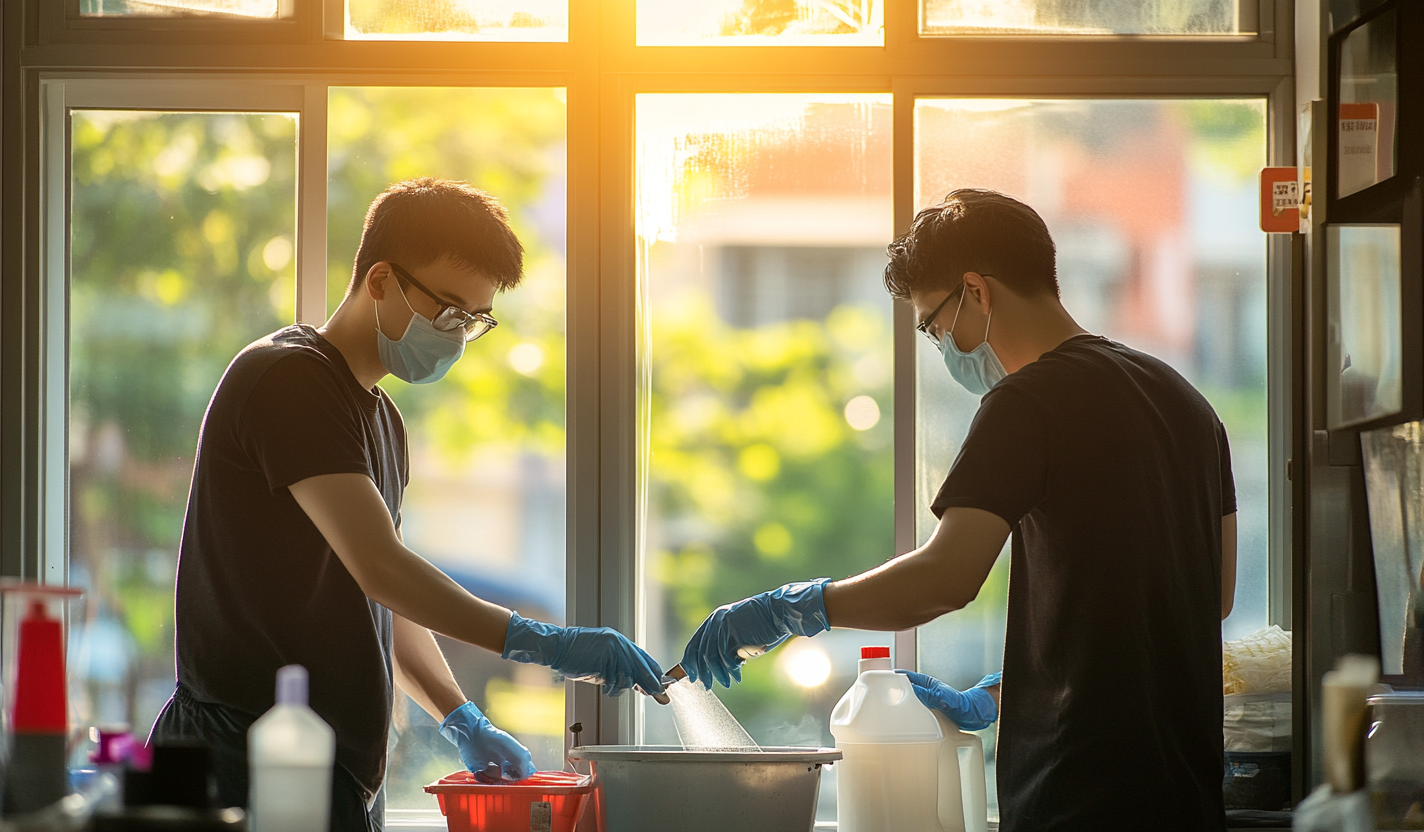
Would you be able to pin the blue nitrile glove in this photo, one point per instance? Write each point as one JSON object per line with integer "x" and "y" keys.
{"x": 755, "y": 624}
{"x": 484, "y": 749}
{"x": 600, "y": 655}
{"x": 971, "y": 710}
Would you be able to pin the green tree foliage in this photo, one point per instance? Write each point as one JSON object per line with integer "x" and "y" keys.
{"x": 181, "y": 254}
{"x": 508, "y": 142}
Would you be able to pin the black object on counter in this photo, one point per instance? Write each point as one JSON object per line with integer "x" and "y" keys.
{"x": 178, "y": 792}
{"x": 1257, "y": 819}
{"x": 180, "y": 775}
{"x": 36, "y": 776}
{"x": 1257, "y": 780}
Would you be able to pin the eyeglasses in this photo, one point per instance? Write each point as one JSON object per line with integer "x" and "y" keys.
{"x": 924, "y": 326}
{"x": 451, "y": 317}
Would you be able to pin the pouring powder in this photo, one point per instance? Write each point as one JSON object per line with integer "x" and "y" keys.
{"x": 703, "y": 722}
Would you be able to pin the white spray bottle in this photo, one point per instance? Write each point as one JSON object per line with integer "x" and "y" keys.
{"x": 290, "y": 753}
{"x": 904, "y": 766}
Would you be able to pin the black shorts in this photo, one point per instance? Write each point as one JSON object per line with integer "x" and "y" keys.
{"x": 224, "y": 730}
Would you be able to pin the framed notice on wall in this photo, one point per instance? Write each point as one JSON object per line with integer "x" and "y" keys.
{"x": 1366, "y": 92}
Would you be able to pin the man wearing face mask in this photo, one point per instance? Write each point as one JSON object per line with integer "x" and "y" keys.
{"x": 291, "y": 549}
{"x": 1114, "y": 477}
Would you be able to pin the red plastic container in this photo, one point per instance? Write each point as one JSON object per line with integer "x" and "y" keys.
{"x": 471, "y": 806}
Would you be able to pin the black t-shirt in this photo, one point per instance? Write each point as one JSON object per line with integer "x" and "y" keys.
{"x": 258, "y": 585}
{"x": 1114, "y": 474}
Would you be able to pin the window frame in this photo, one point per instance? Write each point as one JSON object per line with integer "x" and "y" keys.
{"x": 51, "y": 59}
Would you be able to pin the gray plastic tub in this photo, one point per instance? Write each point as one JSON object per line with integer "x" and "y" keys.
{"x": 659, "y": 788}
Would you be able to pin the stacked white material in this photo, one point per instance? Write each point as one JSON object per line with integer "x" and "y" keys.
{"x": 1256, "y": 683}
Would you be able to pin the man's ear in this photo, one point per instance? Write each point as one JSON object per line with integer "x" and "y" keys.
{"x": 978, "y": 290}
{"x": 376, "y": 278}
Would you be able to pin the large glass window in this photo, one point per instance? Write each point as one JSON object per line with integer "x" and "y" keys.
{"x": 1151, "y": 205}
{"x": 486, "y": 500}
{"x": 765, "y": 352}
{"x": 183, "y": 227}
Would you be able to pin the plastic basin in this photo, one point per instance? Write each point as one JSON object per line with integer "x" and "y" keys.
{"x": 656, "y": 788}
{"x": 471, "y": 806}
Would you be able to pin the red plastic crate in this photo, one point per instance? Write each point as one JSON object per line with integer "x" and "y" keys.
{"x": 472, "y": 806}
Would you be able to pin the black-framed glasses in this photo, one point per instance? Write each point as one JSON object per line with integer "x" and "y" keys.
{"x": 924, "y": 326}
{"x": 451, "y": 317}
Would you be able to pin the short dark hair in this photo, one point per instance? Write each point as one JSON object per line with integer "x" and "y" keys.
{"x": 421, "y": 221}
{"x": 973, "y": 230}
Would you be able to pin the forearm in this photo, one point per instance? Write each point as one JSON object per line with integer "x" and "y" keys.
{"x": 350, "y": 513}
{"x": 411, "y": 587}
{"x": 942, "y": 576}
{"x": 422, "y": 672}
{"x": 896, "y": 595}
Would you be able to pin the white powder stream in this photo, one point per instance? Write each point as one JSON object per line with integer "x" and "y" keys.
{"x": 703, "y": 722}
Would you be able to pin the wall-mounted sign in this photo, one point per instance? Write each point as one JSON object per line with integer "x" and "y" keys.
{"x": 1280, "y": 200}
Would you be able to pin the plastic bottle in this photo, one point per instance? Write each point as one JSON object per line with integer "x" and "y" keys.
{"x": 36, "y": 777}
{"x": 290, "y": 752}
{"x": 904, "y": 767}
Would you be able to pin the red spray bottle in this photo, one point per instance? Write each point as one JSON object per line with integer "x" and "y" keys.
{"x": 36, "y": 697}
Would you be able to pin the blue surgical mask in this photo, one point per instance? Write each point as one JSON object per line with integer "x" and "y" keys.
{"x": 976, "y": 370}
{"x": 423, "y": 354}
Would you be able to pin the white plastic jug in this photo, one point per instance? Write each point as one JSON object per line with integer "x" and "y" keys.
{"x": 905, "y": 767}
{"x": 290, "y": 753}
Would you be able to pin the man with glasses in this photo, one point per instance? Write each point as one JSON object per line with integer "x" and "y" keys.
{"x": 291, "y": 550}
{"x": 1114, "y": 477}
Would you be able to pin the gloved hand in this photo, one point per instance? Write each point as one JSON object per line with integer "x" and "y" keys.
{"x": 753, "y": 625}
{"x": 600, "y": 655}
{"x": 971, "y": 710}
{"x": 484, "y": 749}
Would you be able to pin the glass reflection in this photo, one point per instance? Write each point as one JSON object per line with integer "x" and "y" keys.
{"x": 1394, "y": 483}
{"x": 1096, "y": 17}
{"x": 184, "y": 8}
{"x": 1365, "y": 345}
{"x": 761, "y": 23}
{"x": 466, "y": 20}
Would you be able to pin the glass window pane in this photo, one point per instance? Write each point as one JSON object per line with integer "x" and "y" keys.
{"x": 761, "y": 23}
{"x": 766, "y": 441}
{"x": 183, "y": 227}
{"x": 506, "y": 20}
{"x": 486, "y": 499}
{"x": 186, "y": 8}
{"x": 1088, "y": 17}
{"x": 1152, "y": 207}
{"x": 1369, "y": 94}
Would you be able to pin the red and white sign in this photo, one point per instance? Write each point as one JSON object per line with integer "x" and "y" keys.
{"x": 1280, "y": 201}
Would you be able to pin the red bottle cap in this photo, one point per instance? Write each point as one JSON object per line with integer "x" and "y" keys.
{"x": 875, "y": 652}
{"x": 39, "y": 674}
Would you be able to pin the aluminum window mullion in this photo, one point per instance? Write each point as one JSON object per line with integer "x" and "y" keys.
{"x": 311, "y": 206}
{"x": 618, "y": 411}
{"x": 1280, "y": 358}
{"x": 52, "y": 566}
{"x": 906, "y": 394}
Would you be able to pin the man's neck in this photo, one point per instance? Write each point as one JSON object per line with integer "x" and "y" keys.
{"x": 352, "y": 330}
{"x": 1039, "y": 329}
